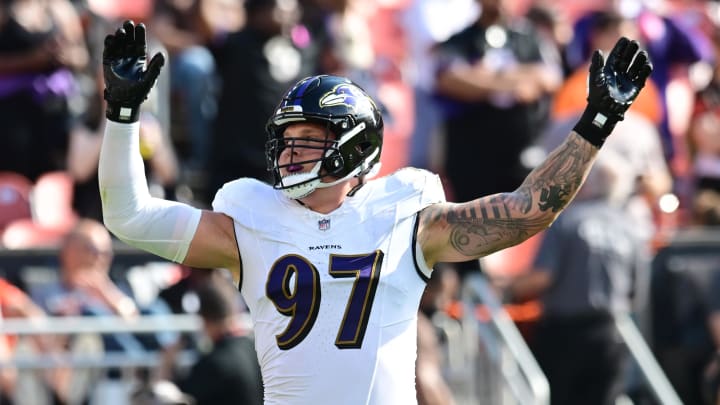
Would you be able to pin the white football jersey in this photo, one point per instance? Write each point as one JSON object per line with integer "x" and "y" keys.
{"x": 334, "y": 297}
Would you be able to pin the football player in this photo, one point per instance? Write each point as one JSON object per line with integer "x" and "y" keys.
{"x": 331, "y": 262}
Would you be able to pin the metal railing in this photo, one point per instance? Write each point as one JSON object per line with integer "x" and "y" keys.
{"x": 648, "y": 366}
{"x": 85, "y": 356}
{"x": 93, "y": 327}
{"x": 100, "y": 324}
{"x": 506, "y": 372}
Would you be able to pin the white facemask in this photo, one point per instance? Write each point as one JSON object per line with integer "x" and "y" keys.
{"x": 300, "y": 190}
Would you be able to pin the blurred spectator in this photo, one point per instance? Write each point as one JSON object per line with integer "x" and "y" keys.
{"x": 711, "y": 374}
{"x": 14, "y": 303}
{"x": 431, "y": 363}
{"x": 554, "y": 28}
{"x": 222, "y": 17}
{"x": 348, "y": 50}
{"x": 227, "y": 373}
{"x": 584, "y": 273}
{"x": 548, "y": 26}
{"x": 685, "y": 328}
{"x": 41, "y": 44}
{"x": 704, "y": 132}
{"x": 493, "y": 83}
{"x": 427, "y": 23}
{"x": 673, "y": 38}
{"x": 181, "y": 296}
{"x": 706, "y": 208}
{"x": 85, "y": 288}
{"x": 645, "y": 179}
{"x": 711, "y": 381}
{"x": 182, "y": 28}
{"x": 257, "y": 66}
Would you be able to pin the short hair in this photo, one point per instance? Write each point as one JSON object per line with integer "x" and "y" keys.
{"x": 706, "y": 207}
{"x": 86, "y": 230}
{"x": 218, "y": 299}
{"x": 604, "y": 20}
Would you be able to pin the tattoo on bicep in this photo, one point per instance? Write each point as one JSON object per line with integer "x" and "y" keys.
{"x": 486, "y": 225}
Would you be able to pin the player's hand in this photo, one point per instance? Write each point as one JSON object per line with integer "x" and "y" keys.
{"x": 128, "y": 78}
{"x": 613, "y": 85}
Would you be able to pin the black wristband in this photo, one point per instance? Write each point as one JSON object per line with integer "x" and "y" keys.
{"x": 594, "y": 126}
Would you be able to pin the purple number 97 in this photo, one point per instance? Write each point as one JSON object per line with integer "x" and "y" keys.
{"x": 293, "y": 285}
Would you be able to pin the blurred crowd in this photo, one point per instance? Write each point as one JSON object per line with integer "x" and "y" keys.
{"x": 476, "y": 90}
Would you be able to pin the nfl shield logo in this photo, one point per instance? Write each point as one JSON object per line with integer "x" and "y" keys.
{"x": 324, "y": 224}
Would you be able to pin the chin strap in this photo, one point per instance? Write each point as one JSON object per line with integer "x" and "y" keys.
{"x": 357, "y": 187}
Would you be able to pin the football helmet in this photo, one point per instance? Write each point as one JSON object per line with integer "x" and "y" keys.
{"x": 354, "y": 133}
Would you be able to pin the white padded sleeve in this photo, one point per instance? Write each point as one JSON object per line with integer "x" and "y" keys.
{"x": 158, "y": 226}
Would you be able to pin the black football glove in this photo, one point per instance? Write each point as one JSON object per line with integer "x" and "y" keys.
{"x": 127, "y": 78}
{"x": 612, "y": 87}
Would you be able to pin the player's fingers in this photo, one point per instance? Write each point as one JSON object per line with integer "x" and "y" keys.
{"x": 140, "y": 35}
{"x": 139, "y": 45}
{"x": 626, "y": 56}
{"x": 620, "y": 46}
{"x": 129, "y": 28}
{"x": 153, "y": 69}
{"x": 157, "y": 62}
{"x": 109, "y": 41}
{"x": 109, "y": 45}
{"x": 596, "y": 64}
{"x": 643, "y": 74}
{"x": 641, "y": 60}
{"x": 120, "y": 42}
{"x": 120, "y": 35}
{"x": 617, "y": 52}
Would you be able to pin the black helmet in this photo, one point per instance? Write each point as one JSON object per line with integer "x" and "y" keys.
{"x": 346, "y": 111}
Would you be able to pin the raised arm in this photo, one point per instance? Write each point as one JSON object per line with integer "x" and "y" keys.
{"x": 465, "y": 231}
{"x": 169, "y": 229}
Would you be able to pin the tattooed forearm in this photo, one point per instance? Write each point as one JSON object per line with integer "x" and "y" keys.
{"x": 521, "y": 199}
{"x": 480, "y": 227}
{"x": 558, "y": 179}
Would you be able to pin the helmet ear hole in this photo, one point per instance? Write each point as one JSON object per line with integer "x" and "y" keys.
{"x": 363, "y": 148}
{"x": 333, "y": 163}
